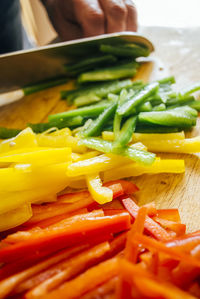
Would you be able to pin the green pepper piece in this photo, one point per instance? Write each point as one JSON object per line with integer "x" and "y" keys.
{"x": 126, "y": 50}
{"x": 145, "y": 107}
{"x": 188, "y": 90}
{"x": 195, "y": 105}
{"x": 95, "y": 128}
{"x": 160, "y": 107}
{"x": 104, "y": 146}
{"x": 44, "y": 85}
{"x": 156, "y": 129}
{"x": 125, "y": 134}
{"x": 127, "y": 70}
{"x": 88, "y": 64}
{"x": 88, "y": 111}
{"x": 138, "y": 99}
{"x": 178, "y": 118}
{"x": 8, "y": 133}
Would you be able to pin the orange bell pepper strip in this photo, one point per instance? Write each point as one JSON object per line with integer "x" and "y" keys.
{"x": 103, "y": 290}
{"x": 131, "y": 249}
{"x": 151, "y": 209}
{"x": 87, "y": 281}
{"x": 150, "y": 226}
{"x": 66, "y": 236}
{"x": 64, "y": 270}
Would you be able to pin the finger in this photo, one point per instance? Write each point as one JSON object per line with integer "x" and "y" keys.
{"x": 73, "y": 30}
{"x": 90, "y": 16}
{"x": 131, "y": 22}
{"x": 116, "y": 15}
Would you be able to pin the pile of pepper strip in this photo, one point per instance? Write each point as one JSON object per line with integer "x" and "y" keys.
{"x": 74, "y": 248}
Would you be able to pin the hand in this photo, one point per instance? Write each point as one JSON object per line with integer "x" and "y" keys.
{"x": 74, "y": 19}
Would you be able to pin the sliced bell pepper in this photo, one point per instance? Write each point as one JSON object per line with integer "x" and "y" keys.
{"x": 25, "y": 138}
{"x": 185, "y": 146}
{"x": 15, "y": 217}
{"x": 99, "y": 194}
{"x": 87, "y": 281}
{"x": 169, "y": 214}
{"x": 83, "y": 231}
{"x": 151, "y": 226}
{"x": 133, "y": 169}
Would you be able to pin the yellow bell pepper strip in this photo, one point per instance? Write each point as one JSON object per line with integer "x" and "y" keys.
{"x": 40, "y": 177}
{"x": 15, "y": 217}
{"x": 13, "y": 200}
{"x": 109, "y": 136}
{"x": 25, "y": 138}
{"x": 133, "y": 169}
{"x": 88, "y": 155}
{"x": 100, "y": 194}
{"x": 61, "y": 132}
{"x": 96, "y": 164}
{"x": 185, "y": 146}
{"x": 38, "y": 155}
{"x": 50, "y": 140}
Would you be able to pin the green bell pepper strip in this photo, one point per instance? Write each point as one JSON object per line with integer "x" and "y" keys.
{"x": 160, "y": 107}
{"x": 60, "y": 124}
{"x": 167, "y": 80}
{"x": 125, "y": 135}
{"x": 169, "y": 118}
{"x": 195, "y": 105}
{"x": 138, "y": 99}
{"x": 179, "y": 101}
{"x": 127, "y": 70}
{"x": 146, "y": 107}
{"x": 44, "y": 85}
{"x": 156, "y": 129}
{"x": 8, "y": 133}
{"x": 88, "y": 111}
{"x": 88, "y": 64}
{"x": 126, "y": 50}
{"x": 93, "y": 93}
{"x": 104, "y": 146}
{"x": 188, "y": 90}
{"x": 96, "y": 126}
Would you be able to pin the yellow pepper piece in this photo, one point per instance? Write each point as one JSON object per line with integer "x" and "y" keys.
{"x": 185, "y": 146}
{"x": 15, "y": 217}
{"x": 42, "y": 177}
{"x": 99, "y": 163}
{"x": 134, "y": 169}
{"x": 100, "y": 194}
{"x": 106, "y": 135}
{"x": 26, "y": 138}
{"x": 37, "y": 156}
{"x": 61, "y": 132}
{"x": 13, "y": 200}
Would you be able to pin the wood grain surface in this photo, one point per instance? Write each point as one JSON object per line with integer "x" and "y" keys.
{"x": 177, "y": 53}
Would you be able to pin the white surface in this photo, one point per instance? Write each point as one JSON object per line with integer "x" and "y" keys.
{"x": 170, "y": 13}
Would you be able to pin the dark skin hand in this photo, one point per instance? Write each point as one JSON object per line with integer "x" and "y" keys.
{"x": 74, "y": 19}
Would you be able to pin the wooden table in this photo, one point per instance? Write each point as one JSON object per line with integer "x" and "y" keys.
{"x": 177, "y": 53}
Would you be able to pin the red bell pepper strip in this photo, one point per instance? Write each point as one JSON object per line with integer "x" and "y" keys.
{"x": 131, "y": 249}
{"x": 178, "y": 228}
{"x": 73, "y": 234}
{"x": 127, "y": 186}
{"x": 185, "y": 243}
{"x": 175, "y": 254}
{"x": 169, "y": 214}
{"x": 150, "y": 226}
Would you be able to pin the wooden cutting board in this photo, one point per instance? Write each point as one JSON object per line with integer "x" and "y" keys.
{"x": 177, "y": 53}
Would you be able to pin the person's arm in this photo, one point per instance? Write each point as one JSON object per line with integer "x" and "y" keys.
{"x": 74, "y": 19}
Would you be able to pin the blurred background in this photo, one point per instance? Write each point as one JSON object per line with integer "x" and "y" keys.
{"x": 170, "y": 13}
